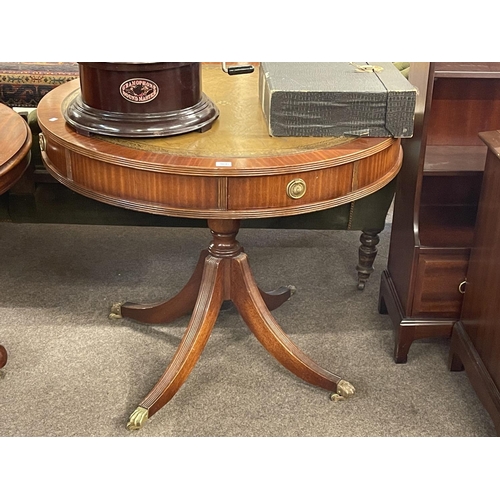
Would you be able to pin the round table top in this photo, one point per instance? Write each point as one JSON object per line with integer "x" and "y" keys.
{"x": 15, "y": 143}
{"x": 237, "y": 144}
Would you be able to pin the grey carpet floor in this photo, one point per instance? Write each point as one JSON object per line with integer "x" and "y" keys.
{"x": 74, "y": 372}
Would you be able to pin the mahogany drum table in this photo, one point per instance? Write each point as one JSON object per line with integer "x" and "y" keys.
{"x": 231, "y": 172}
{"x": 15, "y": 144}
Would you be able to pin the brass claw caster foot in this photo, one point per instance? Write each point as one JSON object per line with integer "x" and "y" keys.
{"x": 116, "y": 311}
{"x": 344, "y": 391}
{"x": 137, "y": 419}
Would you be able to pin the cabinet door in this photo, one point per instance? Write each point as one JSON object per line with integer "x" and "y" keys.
{"x": 481, "y": 311}
{"x": 437, "y": 284}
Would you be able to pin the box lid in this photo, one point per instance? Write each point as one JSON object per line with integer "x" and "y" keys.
{"x": 336, "y": 98}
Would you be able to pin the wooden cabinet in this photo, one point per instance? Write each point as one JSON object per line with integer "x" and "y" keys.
{"x": 437, "y": 198}
{"x": 475, "y": 342}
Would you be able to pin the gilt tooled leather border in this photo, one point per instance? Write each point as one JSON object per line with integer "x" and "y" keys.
{"x": 23, "y": 84}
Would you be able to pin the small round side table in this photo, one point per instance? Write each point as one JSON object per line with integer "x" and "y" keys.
{"x": 15, "y": 144}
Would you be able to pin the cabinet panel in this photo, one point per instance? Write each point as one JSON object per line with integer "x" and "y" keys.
{"x": 475, "y": 343}
{"x": 481, "y": 311}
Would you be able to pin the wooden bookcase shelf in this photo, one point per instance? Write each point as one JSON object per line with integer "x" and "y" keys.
{"x": 448, "y": 206}
{"x": 437, "y": 198}
{"x": 454, "y": 160}
{"x": 458, "y": 220}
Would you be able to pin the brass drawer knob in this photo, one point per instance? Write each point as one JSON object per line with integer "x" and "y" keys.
{"x": 296, "y": 188}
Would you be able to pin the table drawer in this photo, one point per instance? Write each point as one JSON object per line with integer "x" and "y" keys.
{"x": 288, "y": 190}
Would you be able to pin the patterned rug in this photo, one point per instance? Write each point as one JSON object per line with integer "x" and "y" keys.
{"x": 23, "y": 84}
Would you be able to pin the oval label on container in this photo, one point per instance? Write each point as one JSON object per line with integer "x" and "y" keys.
{"x": 139, "y": 90}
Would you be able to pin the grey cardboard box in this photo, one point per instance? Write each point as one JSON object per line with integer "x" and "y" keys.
{"x": 321, "y": 99}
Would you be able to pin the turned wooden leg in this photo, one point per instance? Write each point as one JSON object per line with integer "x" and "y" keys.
{"x": 204, "y": 316}
{"x": 367, "y": 253}
{"x": 166, "y": 311}
{"x": 252, "y": 308}
{"x": 3, "y": 356}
